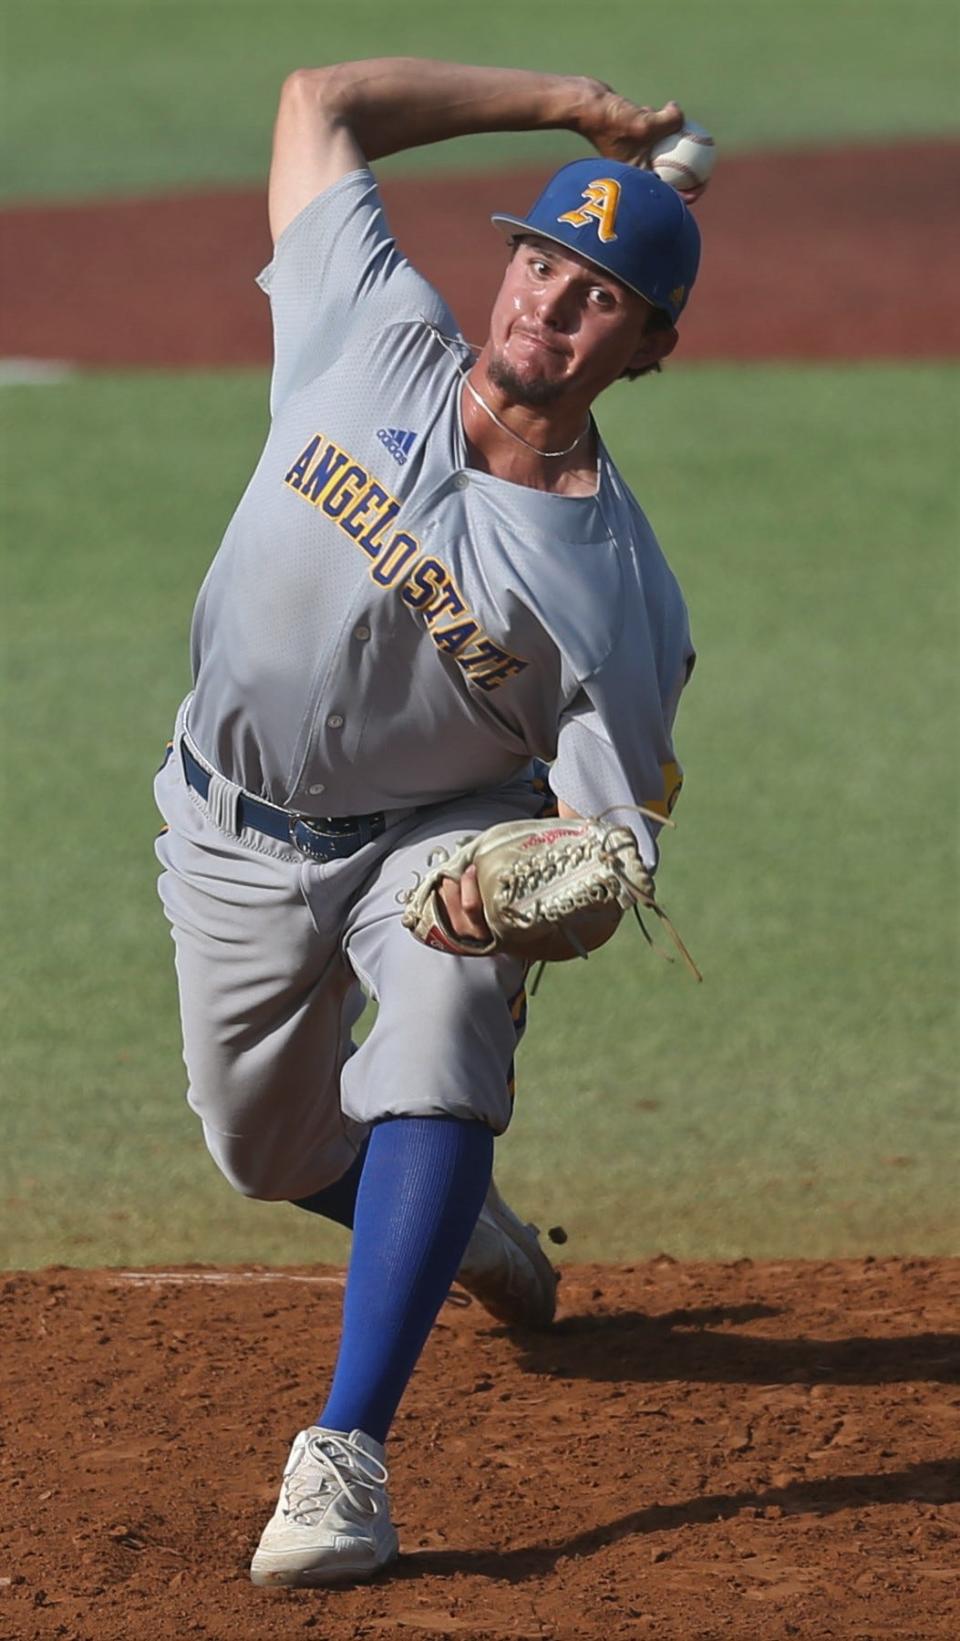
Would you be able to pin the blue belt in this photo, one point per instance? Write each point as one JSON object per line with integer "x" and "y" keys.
{"x": 323, "y": 838}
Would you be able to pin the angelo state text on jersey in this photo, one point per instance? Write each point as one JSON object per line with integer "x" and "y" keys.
{"x": 331, "y": 479}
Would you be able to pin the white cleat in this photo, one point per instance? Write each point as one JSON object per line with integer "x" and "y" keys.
{"x": 506, "y": 1269}
{"x": 332, "y": 1522}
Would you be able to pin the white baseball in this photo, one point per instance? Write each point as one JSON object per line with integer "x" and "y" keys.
{"x": 685, "y": 160}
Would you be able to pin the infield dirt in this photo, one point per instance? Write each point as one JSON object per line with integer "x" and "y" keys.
{"x": 736, "y": 1450}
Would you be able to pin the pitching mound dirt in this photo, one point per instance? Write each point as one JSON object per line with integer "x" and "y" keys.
{"x": 836, "y": 254}
{"x": 695, "y": 1451}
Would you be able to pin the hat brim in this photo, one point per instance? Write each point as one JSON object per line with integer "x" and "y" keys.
{"x": 511, "y": 226}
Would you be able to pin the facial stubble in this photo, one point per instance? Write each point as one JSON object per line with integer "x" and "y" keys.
{"x": 520, "y": 389}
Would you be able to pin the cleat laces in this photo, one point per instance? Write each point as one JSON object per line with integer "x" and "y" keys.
{"x": 343, "y": 1469}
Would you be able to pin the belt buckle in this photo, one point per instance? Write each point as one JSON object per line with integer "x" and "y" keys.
{"x": 302, "y": 841}
{"x": 314, "y": 843}
{"x": 343, "y": 840}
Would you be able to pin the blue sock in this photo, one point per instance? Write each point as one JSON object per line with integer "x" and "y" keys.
{"x": 422, "y": 1188}
{"x": 339, "y": 1200}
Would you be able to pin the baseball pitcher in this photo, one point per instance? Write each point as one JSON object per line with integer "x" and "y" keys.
{"x": 435, "y": 582}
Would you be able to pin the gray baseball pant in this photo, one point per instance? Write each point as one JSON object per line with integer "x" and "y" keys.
{"x": 274, "y": 953}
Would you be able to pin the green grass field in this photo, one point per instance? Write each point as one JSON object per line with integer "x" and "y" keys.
{"x": 131, "y": 95}
{"x": 801, "y": 1101}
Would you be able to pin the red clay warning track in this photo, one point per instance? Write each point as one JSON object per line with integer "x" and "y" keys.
{"x": 838, "y": 254}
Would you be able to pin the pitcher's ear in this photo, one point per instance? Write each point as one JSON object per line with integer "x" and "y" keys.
{"x": 656, "y": 344}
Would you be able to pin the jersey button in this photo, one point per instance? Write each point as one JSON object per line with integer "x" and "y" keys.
{"x": 362, "y": 633}
{"x": 461, "y": 482}
{"x": 334, "y": 721}
{"x": 316, "y": 789}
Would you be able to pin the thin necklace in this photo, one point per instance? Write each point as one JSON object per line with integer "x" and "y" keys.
{"x": 481, "y": 401}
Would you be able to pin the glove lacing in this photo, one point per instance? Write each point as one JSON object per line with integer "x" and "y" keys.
{"x": 627, "y": 883}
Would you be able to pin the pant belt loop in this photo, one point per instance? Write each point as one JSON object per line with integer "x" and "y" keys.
{"x": 223, "y": 802}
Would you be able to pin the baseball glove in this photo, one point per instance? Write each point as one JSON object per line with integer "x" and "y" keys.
{"x": 551, "y": 890}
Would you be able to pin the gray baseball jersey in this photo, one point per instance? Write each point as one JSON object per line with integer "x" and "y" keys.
{"x": 385, "y": 626}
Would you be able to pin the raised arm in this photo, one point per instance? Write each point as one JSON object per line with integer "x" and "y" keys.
{"x": 333, "y": 120}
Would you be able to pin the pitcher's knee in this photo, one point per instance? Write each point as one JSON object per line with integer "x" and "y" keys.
{"x": 448, "y": 1050}
{"x": 269, "y": 1169}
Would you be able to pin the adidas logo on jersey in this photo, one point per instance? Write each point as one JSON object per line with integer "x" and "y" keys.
{"x": 398, "y": 441}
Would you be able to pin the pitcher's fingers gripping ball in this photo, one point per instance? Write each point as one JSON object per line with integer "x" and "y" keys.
{"x": 685, "y": 160}
{"x": 550, "y": 890}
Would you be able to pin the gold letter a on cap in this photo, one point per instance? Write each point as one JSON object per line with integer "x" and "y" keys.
{"x": 602, "y": 197}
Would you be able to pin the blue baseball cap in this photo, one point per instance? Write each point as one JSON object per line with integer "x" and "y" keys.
{"x": 626, "y": 221}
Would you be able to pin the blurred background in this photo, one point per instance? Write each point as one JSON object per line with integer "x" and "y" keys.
{"x": 798, "y": 461}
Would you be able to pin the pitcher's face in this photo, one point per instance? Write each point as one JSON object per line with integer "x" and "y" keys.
{"x": 561, "y": 325}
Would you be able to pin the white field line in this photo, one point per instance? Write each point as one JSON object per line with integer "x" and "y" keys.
{"x": 147, "y": 1279}
{"x": 34, "y": 372}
